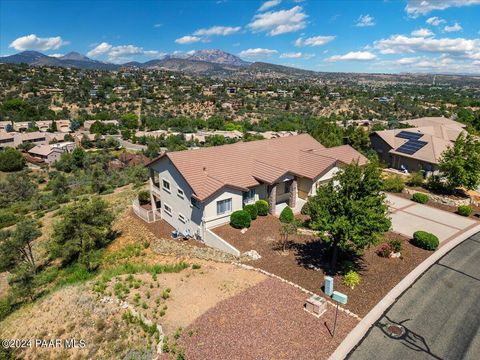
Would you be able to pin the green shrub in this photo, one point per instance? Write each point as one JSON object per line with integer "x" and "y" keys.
{"x": 420, "y": 198}
{"x": 393, "y": 184}
{"x": 7, "y": 218}
{"x": 262, "y": 207}
{"x": 240, "y": 219}
{"x": 416, "y": 179}
{"x": 144, "y": 197}
{"x": 465, "y": 210}
{"x": 425, "y": 240}
{"x": 286, "y": 216}
{"x": 11, "y": 160}
{"x": 396, "y": 245}
{"x": 351, "y": 279}
{"x": 252, "y": 210}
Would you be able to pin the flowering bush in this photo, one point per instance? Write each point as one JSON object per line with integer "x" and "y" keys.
{"x": 384, "y": 250}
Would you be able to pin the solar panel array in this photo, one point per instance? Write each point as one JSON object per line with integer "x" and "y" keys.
{"x": 411, "y": 146}
{"x": 409, "y": 135}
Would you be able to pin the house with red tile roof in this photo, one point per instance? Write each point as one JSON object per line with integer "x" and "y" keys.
{"x": 196, "y": 190}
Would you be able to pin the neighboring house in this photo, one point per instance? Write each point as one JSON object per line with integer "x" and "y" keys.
{"x": 88, "y": 123}
{"x": 7, "y": 139}
{"x": 419, "y": 148}
{"x": 195, "y": 190}
{"x": 52, "y": 152}
{"x": 202, "y": 136}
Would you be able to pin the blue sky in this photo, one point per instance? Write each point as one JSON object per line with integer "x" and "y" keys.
{"x": 355, "y": 35}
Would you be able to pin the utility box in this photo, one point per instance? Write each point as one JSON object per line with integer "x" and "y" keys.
{"x": 316, "y": 305}
{"x": 339, "y": 297}
{"x": 328, "y": 285}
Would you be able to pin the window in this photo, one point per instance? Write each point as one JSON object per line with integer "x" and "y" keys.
{"x": 224, "y": 206}
{"x": 168, "y": 209}
{"x": 287, "y": 186}
{"x": 166, "y": 185}
{"x": 194, "y": 202}
{"x": 182, "y": 218}
{"x": 249, "y": 196}
{"x": 180, "y": 193}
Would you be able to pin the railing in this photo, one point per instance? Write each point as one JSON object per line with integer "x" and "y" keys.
{"x": 144, "y": 214}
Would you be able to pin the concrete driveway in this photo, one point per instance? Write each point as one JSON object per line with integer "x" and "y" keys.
{"x": 439, "y": 312}
{"x": 408, "y": 216}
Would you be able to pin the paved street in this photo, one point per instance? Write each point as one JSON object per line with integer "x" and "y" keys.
{"x": 440, "y": 312}
{"x": 409, "y": 216}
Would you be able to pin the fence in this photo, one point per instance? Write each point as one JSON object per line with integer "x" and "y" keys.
{"x": 144, "y": 214}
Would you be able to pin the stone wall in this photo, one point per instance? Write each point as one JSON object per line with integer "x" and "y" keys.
{"x": 441, "y": 199}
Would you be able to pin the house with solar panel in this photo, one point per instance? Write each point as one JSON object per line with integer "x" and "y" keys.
{"x": 418, "y": 148}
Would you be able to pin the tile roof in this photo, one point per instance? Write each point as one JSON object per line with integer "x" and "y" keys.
{"x": 438, "y": 137}
{"x": 246, "y": 164}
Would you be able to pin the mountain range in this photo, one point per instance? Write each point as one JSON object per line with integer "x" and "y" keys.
{"x": 202, "y": 62}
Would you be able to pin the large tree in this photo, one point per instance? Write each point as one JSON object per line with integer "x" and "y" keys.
{"x": 85, "y": 227}
{"x": 11, "y": 160}
{"x": 16, "y": 256}
{"x": 460, "y": 163}
{"x": 350, "y": 211}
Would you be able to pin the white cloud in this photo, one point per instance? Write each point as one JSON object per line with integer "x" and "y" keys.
{"x": 398, "y": 44}
{"x": 187, "y": 39}
{"x": 269, "y": 4}
{"x": 365, "y": 20}
{"x": 296, "y": 55}
{"x": 422, "y": 33}
{"x": 416, "y": 8}
{"x": 121, "y": 53}
{"x": 100, "y": 49}
{"x": 443, "y": 63}
{"x": 33, "y": 42}
{"x": 435, "y": 21}
{"x": 279, "y": 22}
{"x": 407, "y": 60}
{"x": 258, "y": 53}
{"x": 314, "y": 41}
{"x": 218, "y": 30}
{"x": 56, "y": 55}
{"x": 353, "y": 56}
{"x": 454, "y": 28}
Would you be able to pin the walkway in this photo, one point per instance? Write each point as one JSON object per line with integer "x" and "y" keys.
{"x": 439, "y": 311}
{"x": 409, "y": 216}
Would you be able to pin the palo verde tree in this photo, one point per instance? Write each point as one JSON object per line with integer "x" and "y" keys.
{"x": 349, "y": 211}
{"x": 460, "y": 163}
{"x": 85, "y": 227}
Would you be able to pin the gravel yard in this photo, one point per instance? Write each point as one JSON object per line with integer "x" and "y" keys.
{"x": 266, "y": 321}
{"x": 306, "y": 262}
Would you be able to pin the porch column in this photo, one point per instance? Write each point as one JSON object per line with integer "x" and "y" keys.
{"x": 292, "y": 201}
{"x": 272, "y": 198}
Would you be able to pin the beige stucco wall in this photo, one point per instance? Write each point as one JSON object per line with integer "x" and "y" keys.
{"x": 192, "y": 214}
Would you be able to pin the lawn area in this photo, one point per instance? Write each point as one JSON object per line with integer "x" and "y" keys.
{"x": 306, "y": 262}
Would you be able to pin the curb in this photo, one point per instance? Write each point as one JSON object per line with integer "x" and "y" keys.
{"x": 359, "y": 332}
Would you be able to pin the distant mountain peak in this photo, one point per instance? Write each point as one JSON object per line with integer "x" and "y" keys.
{"x": 73, "y": 55}
{"x": 217, "y": 56}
